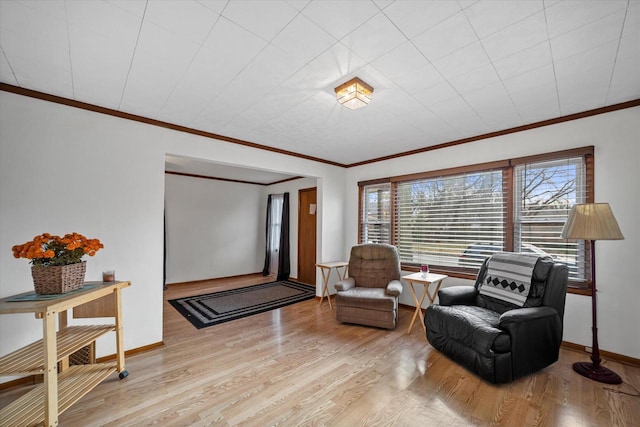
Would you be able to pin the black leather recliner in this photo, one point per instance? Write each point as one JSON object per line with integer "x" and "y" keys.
{"x": 500, "y": 341}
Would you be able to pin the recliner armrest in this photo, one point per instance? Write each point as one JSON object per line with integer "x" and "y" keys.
{"x": 394, "y": 288}
{"x": 345, "y": 284}
{"x": 524, "y": 315}
{"x": 536, "y": 335}
{"x": 457, "y": 295}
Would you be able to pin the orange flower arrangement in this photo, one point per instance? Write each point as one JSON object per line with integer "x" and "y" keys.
{"x": 47, "y": 250}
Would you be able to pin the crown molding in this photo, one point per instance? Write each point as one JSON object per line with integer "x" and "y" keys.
{"x": 108, "y": 111}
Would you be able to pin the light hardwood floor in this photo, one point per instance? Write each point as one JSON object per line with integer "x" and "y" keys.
{"x": 299, "y": 366}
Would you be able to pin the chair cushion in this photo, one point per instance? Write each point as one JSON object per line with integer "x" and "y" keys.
{"x": 474, "y": 327}
{"x": 367, "y": 298}
{"x": 374, "y": 265}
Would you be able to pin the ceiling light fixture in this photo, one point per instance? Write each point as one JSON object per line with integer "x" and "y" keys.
{"x": 354, "y": 94}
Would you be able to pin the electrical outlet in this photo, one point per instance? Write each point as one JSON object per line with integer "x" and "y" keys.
{"x": 587, "y": 349}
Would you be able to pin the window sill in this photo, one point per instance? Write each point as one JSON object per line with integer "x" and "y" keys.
{"x": 576, "y": 288}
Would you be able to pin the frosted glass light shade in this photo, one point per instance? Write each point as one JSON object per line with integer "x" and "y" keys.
{"x": 354, "y": 94}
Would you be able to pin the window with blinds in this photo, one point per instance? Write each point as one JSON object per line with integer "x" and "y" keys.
{"x": 450, "y": 220}
{"x": 455, "y": 218}
{"x": 544, "y": 194}
{"x": 375, "y": 213}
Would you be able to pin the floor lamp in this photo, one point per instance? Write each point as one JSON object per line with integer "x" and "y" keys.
{"x": 593, "y": 221}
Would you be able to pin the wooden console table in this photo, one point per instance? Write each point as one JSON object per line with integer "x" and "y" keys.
{"x": 46, "y": 357}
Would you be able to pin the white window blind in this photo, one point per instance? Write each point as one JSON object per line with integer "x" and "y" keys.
{"x": 452, "y": 221}
{"x": 544, "y": 194}
{"x": 375, "y": 220}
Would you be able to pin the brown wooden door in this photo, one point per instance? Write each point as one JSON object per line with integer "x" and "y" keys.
{"x": 307, "y": 235}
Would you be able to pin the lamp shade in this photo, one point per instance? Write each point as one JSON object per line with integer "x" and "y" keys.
{"x": 591, "y": 221}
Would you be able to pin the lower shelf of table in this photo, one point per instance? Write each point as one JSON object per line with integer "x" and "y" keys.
{"x": 73, "y": 384}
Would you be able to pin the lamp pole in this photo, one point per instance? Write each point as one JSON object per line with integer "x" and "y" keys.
{"x": 594, "y": 370}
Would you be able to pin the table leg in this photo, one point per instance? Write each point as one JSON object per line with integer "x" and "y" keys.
{"x": 418, "y": 310}
{"x": 325, "y": 289}
{"x": 50, "y": 370}
{"x": 119, "y": 338}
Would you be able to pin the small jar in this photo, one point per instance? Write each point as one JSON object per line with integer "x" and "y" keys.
{"x": 424, "y": 270}
{"x": 109, "y": 276}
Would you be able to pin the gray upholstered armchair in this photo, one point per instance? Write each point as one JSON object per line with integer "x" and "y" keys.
{"x": 369, "y": 296}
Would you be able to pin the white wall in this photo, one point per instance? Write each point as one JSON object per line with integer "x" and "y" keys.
{"x": 64, "y": 169}
{"x": 214, "y": 228}
{"x": 616, "y": 137}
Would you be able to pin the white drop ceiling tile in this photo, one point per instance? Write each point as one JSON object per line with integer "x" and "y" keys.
{"x": 51, "y": 78}
{"x": 215, "y": 5}
{"x": 536, "y": 103}
{"x": 303, "y": 39}
{"x": 400, "y": 60}
{"x": 583, "y": 62}
{"x": 517, "y": 37}
{"x": 419, "y": 78}
{"x": 265, "y": 18}
{"x": 298, "y": 4}
{"x": 54, "y": 9}
{"x": 630, "y": 42}
{"x": 183, "y": 107}
{"x": 414, "y": 17}
{"x": 96, "y": 57}
{"x": 405, "y": 105}
{"x": 476, "y": 79}
{"x": 466, "y": 3}
{"x": 526, "y": 60}
{"x": 340, "y": 18}
{"x": 491, "y": 97}
{"x": 455, "y": 111}
{"x": 36, "y": 46}
{"x": 269, "y": 69}
{"x": 568, "y": 15}
{"x": 157, "y": 41}
{"x": 445, "y": 38}
{"x": 191, "y": 20}
{"x": 274, "y": 104}
{"x": 588, "y": 36}
{"x": 462, "y": 61}
{"x": 435, "y": 94}
{"x": 374, "y": 38}
{"x": 536, "y": 77}
{"x": 6, "y": 73}
{"x": 625, "y": 84}
{"x": 135, "y": 7}
{"x": 489, "y": 17}
{"x": 150, "y": 81}
{"x": 383, "y": 4}
{"x": 228, "y": 49}
{"x": 327, "y": 71}
{"x": 105, "y": 19}
{"x": 586, "y": 90}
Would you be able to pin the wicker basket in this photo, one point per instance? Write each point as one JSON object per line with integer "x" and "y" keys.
{"x": 58, "y": 279}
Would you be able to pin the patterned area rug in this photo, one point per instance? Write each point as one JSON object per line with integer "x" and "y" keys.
{"x": 219, "y": 307}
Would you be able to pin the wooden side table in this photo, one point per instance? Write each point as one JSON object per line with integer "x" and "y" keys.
{"x": 61, "y": 389}
{"x": 341, "y": 268}
{"x": 430, "y": 279}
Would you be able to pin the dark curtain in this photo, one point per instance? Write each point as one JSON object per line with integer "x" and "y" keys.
{"x": 284, "y": 266}
{"x": 164, "y": 258}
{"x": 267, "y": 256}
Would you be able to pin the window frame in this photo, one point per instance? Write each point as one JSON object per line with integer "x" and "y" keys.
{"x": 508, "y": 167}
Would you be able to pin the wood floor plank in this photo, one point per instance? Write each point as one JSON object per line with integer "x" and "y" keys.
{"x": 297, "y": 366}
